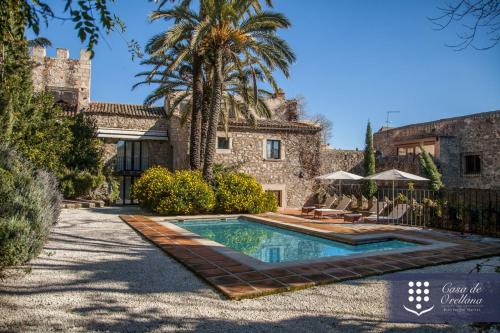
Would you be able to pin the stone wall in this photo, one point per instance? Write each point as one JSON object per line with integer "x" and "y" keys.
{"x": 455, "y": 137}
{"x": 293, "y": 174}
{"x": 341, "y": 160}
{"x": 179, "y": 140}
{"x": 69, "y": 79}
{"x": 131, "y": 123}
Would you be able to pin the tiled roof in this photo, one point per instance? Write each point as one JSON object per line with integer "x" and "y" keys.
{"x": 131, "y": 110}
{"x": 139, "y": 110}
{"x": 274, "y": 124}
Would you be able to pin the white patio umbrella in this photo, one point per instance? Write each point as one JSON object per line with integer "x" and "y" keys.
{"x": 339, "y": 175}
{"x": 395, "y": 175}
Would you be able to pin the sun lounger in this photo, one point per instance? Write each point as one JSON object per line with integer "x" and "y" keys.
{"x": 376, "y": 208}
{"x": 395, "y": 215}
{"x": 328, "y": 202}
{"x": 338, "y": 211}
{"x": 321, "y": 212}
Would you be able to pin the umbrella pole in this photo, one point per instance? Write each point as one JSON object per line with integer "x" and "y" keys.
{"x": 393, "y": 199}
{"x": 340, "y": 188}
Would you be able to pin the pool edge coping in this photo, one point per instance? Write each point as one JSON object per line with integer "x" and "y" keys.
{"x": 313, "y": 274}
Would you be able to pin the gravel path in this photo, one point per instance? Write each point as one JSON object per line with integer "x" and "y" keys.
{"x": 96, "y": 274}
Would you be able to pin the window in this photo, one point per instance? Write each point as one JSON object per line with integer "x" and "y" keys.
{"x": 414, "y": 148}
{"x": 278, "y": 196}
{"x": 430, "y": 148}
{"x": 222, "y": 143}
{"x": 472, "y": 164}
{"x": 273, "y": 151}
{"x": 132, "y": 156}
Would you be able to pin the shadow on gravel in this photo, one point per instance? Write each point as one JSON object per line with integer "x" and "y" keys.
{"x": 131, "y": 269}
{"x": 146, "y": 322}
{"x": 119, "y": 210}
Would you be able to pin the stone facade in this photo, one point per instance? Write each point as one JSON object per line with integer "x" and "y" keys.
{"x": 341, "y": 160}
{"x": 68, "y": 79}
{"x": 132, "y": 123}
{"x": 456, "y": 143}
{"x": 165, "y": 142}
{"x": 179, "y": 140}
{"x": 293, "y": 174}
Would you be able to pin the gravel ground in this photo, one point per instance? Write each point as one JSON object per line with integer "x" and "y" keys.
{"x": 96, "y": 274}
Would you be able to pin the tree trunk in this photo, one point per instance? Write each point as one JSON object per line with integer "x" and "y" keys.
{"x": 195, "y": 138}
{"x": 213, "y": 121}
{"x": 205, "y": 115}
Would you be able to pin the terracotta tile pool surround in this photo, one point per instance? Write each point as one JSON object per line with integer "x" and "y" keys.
{"x": 239, "y": 276}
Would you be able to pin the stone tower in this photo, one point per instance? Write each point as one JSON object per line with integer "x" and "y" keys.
{"x": 68, "y": 79}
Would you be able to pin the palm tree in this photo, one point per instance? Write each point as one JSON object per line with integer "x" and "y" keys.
{"x": 224, "y": 32}
{"x": 233, "y": 33}
{"x": 176, "y": 87}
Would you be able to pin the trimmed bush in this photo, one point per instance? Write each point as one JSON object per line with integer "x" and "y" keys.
{"x": 188, "y": 194}
{"x": 30, "y": 205}
{"x": 81, "y": 184}
{"x": 241, "y": 193}
{"x": 152, "y": 186}
{"x": 179, "y": 193}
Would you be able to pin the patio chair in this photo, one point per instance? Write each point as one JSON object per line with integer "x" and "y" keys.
{"x": 395, "y": 215}
{"x": 341, "y": 209}
{"x": 377, "y": 208}
{"x": 328, "y": 202}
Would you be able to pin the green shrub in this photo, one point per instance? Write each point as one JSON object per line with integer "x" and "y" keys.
{"x": 152, "y": 186}
{"x": 179, "y": 193}
{"x": 241, "y": 193}
{"x": 187, "y": 194}
{"x": 267, "y": 203}
{"x": 81, "y": 184}
{"x": 30, "y": 205}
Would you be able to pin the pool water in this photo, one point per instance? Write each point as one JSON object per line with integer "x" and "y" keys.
{"x": 272, "y": 244}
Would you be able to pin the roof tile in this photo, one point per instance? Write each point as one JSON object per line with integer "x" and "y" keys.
{"x": 131, "y": 110}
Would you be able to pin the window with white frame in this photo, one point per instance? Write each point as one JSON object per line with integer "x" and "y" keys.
{"x": 273, "y": 150}
{"x": 223, "y": 142}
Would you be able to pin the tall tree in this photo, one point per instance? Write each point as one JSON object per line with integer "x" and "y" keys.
{"x": 235, "y": 34}
{"x": 369, "y": 186}
{"x": 430, "y": 169}
{"x": 226, "y": 32}
{"x": 15, "y": 68}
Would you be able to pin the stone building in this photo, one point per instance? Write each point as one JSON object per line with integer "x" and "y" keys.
{"x": 466, "y": 148}
{"x": 283, "y": 153}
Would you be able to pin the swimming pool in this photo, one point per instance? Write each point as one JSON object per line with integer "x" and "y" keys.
{"x": 273, "y": 245}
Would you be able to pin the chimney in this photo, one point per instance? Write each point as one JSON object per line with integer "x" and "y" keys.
{"x": 62, "y": 53}
{"x": 291, "y": 110}
{"x": 38, "y": 52}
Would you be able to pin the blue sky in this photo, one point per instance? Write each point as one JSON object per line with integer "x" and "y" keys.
{"x": 355, "y": 61}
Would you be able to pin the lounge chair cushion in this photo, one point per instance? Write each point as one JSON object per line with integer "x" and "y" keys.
{"x": 329, "y": 210}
